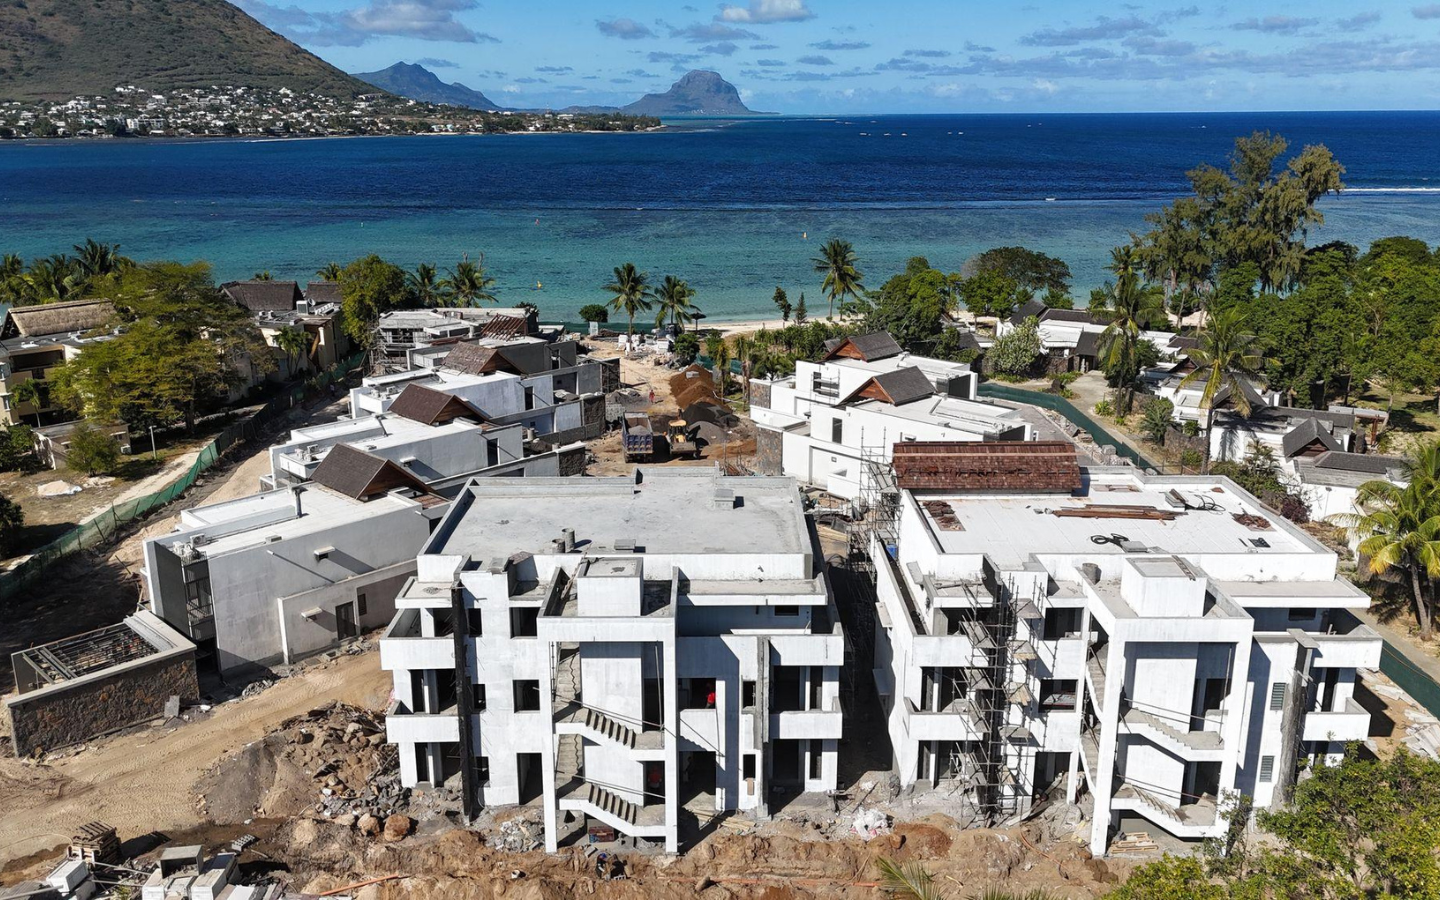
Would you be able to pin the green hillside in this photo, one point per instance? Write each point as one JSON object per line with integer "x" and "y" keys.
{"x": 57, "y": 49}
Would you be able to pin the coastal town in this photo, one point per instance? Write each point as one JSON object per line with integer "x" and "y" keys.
{"x": 425, "y": 583}
{"x": 239, "y": 111}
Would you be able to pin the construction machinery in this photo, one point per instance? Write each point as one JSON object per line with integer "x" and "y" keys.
{"x": 637, "y": 437}
{"x": 681, "y": 441}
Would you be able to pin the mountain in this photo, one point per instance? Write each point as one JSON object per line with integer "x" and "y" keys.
{"x": 419, "y": 83}
{"x": 698, "y": 93}
{"x": 58, "y": 49}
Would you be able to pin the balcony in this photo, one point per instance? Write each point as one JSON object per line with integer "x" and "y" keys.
{"x": 953, "y": 723}
{"x": 1350, "y": 724}
{"x": 405, "y": 727}
{"x": 809, "y": 723}
{"x": 1358, "y": 649}
{"x": 402, "y": 646}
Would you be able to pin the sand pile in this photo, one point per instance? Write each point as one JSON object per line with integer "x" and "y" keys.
{"x": 693, "y": 384}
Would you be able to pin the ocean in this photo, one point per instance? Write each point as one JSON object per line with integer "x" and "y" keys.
{"x": 736, "y": 208}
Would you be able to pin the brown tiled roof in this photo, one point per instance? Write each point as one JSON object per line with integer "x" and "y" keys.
{"x": 56, "y": 318}
{"x": 431, "y": 407}
{"x": 987, "y": 466}
{"x": 868, "y": 347}
{"x": 1304, "y": 435}
{"x": 504, "y": 327}
{"x": 353, "y": 472}
{"x": 1031, "y": 307}
{"x": 470, "y": 358}
{"x": 896, "y": 388}
{"x": 258, "y": 296}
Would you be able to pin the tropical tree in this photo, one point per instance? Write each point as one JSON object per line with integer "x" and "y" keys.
{"x": 595, "y": 312}
{"x": 12, "y": 285}
{"x": 672, "y": 300}
{"x": 467, "y": 284}
{"x": 29, "y": 391}
{"x": 1398, "y": 529}
{"x": 801, "y": 313}
{"x": 424, "y": 286}
{"x": 264, "y": 276}
{"x": 369, "y": 287}
{"x": 92, "y": 451}
{"x": 293, "y": 342}
{"x": 1133, "y": 306}
{"x": 632, "y": 293}
{"x": 1227, "y": 355}
{"x": 329, "y": 272}
{"x": 52, "y": 279}
{"x": 782, "y": 303}
{"x": 841, "y": 279}
{"x": 96, "y": 260}
{"x": 12, "y": 522}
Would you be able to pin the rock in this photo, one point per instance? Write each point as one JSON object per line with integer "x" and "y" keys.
{"x": 345, "y": 820}
{"x": 368, "y": 825}
{"x": 397, "y": 827}
{"x": 304, "y": 833}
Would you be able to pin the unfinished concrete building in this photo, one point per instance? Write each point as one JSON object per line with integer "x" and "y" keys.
{"x": 276, "y": 577}
{"x": 1149, "y": 642}
{"x": 618, "y": 648}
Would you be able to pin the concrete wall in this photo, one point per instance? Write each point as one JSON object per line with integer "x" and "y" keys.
{"x": 301, "y": 637}
{"x": 71, "y": 713}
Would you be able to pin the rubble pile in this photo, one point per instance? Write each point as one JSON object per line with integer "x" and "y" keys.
{"x": 332, "y": 761}
{"x": 518, "y": 834}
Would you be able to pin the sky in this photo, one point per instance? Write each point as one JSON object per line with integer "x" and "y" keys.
{"x": 931, "y": 56}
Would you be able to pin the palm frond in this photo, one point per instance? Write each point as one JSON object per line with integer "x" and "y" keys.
{"x": 907, "y": 880}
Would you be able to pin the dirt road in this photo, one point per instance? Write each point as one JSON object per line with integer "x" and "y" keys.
{"x": 146, "y": 781}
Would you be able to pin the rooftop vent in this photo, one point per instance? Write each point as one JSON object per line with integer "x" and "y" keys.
{"x": 625, "y": 544}
{"x": 1091, "y": 571}
{"x": 724, "y": 499}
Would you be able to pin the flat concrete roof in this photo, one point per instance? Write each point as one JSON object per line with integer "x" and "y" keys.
{"x": 1010, "y": 527}
{"x": 254, "y": 519}
{"x": 962, "y": 415}
{"x": 670, "y": 511}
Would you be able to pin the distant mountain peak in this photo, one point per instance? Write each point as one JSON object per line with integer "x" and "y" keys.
{"x": 698, "y": 93}
{"x": 415, "y": 82}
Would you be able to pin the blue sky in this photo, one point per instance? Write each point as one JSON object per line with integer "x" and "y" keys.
{"x": 841, "y": 56}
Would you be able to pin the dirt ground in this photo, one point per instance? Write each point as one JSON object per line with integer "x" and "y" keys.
{"x": 146, "y": 781}
{"x": 53, "y": 608}
{"x": 643, "y": 375}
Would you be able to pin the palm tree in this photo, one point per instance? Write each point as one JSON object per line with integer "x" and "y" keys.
{"x": 52, "y": 279}
{"x": 467, "y": 284}
{"x": 1226, "y": 355}
{"x": 97, "y": 260}
{"x": 28, "y": 391}
{"x": 836, "y": 263}
{"x": 633, "y": 294}
{"x": 329, "y": 272}
{"x": 424, "y": 286}
{"x": 1399, "y": 528}
{"x": 293, "y": 342}
{"x": 1133, "y": 306}
{"x": 672, "y": 300}
{"x": 12, "y": 285}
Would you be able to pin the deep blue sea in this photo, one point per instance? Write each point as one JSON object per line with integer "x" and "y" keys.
{"x": 734, "y": 207}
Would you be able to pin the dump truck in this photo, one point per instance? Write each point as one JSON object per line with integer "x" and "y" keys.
{"x": 681, "y": 442}
{"x": 637, "y": 437}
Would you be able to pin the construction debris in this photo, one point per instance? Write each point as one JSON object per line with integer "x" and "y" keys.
{"x": 870, "y": 824}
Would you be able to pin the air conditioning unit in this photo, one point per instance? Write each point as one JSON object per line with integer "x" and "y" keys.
{"x": 199, "y": 540}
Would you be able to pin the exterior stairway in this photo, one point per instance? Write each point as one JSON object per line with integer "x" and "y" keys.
{"x": 1184, "y": 743}
{"x": 567, "y": 677}
{"x": 569, "y": 763}
{"x": 602, "y": 724}
{"x": 602, "y": 799}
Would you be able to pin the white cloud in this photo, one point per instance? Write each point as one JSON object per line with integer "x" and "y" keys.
{"x": 762, "y": 12}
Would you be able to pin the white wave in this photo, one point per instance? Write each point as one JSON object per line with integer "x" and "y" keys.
{"x": 1392, "y": 190}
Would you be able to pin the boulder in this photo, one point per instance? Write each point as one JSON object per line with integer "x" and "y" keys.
{"x": 368, "y": 825}
{"x": 397, "y": 827}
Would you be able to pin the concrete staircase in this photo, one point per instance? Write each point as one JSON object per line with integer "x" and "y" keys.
{"x": 567, "y": 677}
{"x": 569, "y": 761}
{"x": 606, "y": 727}
{"x": 1184, "y": 743}
{"x": 611, "y": 804}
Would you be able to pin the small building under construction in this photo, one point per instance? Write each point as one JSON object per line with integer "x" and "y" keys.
{"x": 81, "y": 687}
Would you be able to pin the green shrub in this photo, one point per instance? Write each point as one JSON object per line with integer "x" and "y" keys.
{"x": 595, "y": 312}
{"x": 1156, "y": 421}
{"x": 12, "y": 520}
{"x": 17, "y": 449}
{"x": 1191, "y": 458}
{"x": 1105, "y": 408}
{"x": 92, "y": 451}
{"x": 687, "y": 347}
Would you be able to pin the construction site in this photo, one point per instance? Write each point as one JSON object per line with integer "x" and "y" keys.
{"x": 972, "y": 688}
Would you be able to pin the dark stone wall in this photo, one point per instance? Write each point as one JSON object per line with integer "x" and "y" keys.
{"x": 760, "y": 393}
{"x": 610, "y": 374}
{"x": 64, "y": 717}
{"x": 592, "y": 416}
{"x": 767, "y": 452}
{"x": 572, "y": 462}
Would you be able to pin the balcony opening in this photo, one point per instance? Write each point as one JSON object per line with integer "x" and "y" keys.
{"x": 817, "y": 687}
{"x": 422, "y": 763}
{"x": 417, "y": 690}
{"x": 444, "y": 690}
{"x": 474, "y": 623}
{"x": 787, "y": 689}
{"x": 524, "y": 621}
{"x": 1062, "y": 623}
{"x": 1209, "y": 698}
{"x": 451, "y": 761}
{"x": 1202, "y": 783}
{"x": 817, "y": 760}
{"x": 697, "y": 693}
{"x": 785, "y": 762}
{"x": 1052, "y": 768}
{"x": 747, "y": 693}
{"x": 478, "y": 693}
{"x": 1058, "y": 694}
{"x": 482, "y": 770}
{"x": 444, "y": 622}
